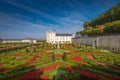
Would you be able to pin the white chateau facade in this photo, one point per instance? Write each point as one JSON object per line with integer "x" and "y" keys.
{"x": 54, "y": 38}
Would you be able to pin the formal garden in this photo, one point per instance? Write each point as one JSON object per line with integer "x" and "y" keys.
{"x": 45, "y": 61}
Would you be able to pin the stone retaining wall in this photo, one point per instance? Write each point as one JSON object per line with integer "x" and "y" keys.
{"x": 110, "y": 42}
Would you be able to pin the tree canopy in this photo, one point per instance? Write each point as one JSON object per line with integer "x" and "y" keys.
{"x": 112, "y": 14}
{"x": 106, "y": 23}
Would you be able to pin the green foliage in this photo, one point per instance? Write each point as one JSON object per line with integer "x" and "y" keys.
{"x": 111, "y": 15}
{"x": 34, "y": 50}
{"x": 108, "y": 28}
{"x": 112, "y": 27}
{"x": 106, "y": 23}
{"x": 60, "y": 74}
{"x": 53, "y": 56}
{"x": 86, "y": 24}
{"x": 27, "y": 50}
{"x": 64, "y": 57}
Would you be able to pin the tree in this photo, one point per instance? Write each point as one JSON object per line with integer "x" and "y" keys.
{"x": 53, "y": 56}
{"x": 113, "y": 27}
{"x": 86, "y": 24}
{"x": 64, "y": 57}
{"x": 104, "y": 23}
{"x": 27, "y": 50}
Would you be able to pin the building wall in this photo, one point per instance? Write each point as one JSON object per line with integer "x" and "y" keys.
{"x": 52, "y": 38}
{"x": 10, "y": 41}
{"x": 24, "y": 40}
{"x": 111, "y": 42}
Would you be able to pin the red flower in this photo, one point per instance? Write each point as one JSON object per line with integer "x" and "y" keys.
{"x": 32, "y": 74}
{"x": 41, "y": 52}
{"x": 44, "y": 77}
{"x": 77, "y": 59}
{"x": 110, "y": 77}
{"x": 4, "y": 69}
{"x": 58, "y": 55}
{"x": 50, "y": 67}
{"x": 72, "y": 69}
{"x": 68, "y": 79}
{"x": 90, "y": 74}
{"x": 49, "y": 53}
{"x": 89, "y": 52}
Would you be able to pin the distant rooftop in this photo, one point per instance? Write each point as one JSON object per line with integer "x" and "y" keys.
{"x": 63, "y": 34}
{"x": 12, "y": 39}
{"x": 17, "y": 39}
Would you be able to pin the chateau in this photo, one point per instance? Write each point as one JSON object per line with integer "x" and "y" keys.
{"x": 54, "y": 38}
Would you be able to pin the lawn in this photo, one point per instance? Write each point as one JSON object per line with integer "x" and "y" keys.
{"x": 70, "y": 62}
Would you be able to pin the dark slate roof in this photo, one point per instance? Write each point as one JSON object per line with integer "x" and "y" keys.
{"x": 28, "y": 39}
{"x": 63, "y": 34}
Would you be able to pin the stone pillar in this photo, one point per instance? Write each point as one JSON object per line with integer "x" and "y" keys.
{"x": 93, "y": 44}
{"x": 96, "y": 42}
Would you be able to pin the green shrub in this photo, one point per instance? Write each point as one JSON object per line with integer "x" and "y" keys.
{"x": 64, "y": 57}
{"x": 53, "y": 56}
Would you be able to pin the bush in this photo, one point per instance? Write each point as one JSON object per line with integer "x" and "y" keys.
{"x": 53, "y": 56}
{"x": 27, "y": 50}
{"x": 64, "y": 57}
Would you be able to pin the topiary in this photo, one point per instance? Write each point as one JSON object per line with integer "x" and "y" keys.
{"x": 53, "y": 56}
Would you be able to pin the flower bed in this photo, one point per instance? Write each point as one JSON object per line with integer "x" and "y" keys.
{"x": 35, "y": 56}
{"x": 117, "y": 69}
{"x": 91, "y": 57}
{"x": 90, "y": 74}
{"x": 76, "y": 51}
{"x": 49, "y": 52}
{"x": 41, "y": 52}
{"x": 44, "y": 77}
{"x": 68, "y": 79}
{"x": 76, "y": 58}
{"x": 69, "y": 53}
{"x": 50, "y": 67}
{"x": 110, "y": 77}
{"x": 20, "y": 54}
{"x": 31, "y": 63}
{"x": 72, "y": 69}
{"x": 32, "y": 74}
{"x": 58, "y": 55}
{"x": 2, "y": 64}
{"x": 83, "y": 72}
{"x": 89, "y": 52}
{"x": 4, "y": 69}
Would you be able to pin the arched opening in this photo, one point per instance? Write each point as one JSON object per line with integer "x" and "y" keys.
{"x": 94, "y": 43}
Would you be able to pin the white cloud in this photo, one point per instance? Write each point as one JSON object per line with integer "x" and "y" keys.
{"x": 68, "y": 24}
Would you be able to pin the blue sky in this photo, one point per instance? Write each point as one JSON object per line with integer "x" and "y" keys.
{"x": 32, "y": 18}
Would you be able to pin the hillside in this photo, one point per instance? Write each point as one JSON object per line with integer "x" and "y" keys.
{"x": 107, "y": 28}
{"x": 112, "y": 14}
{"x": 106, "y": 23}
